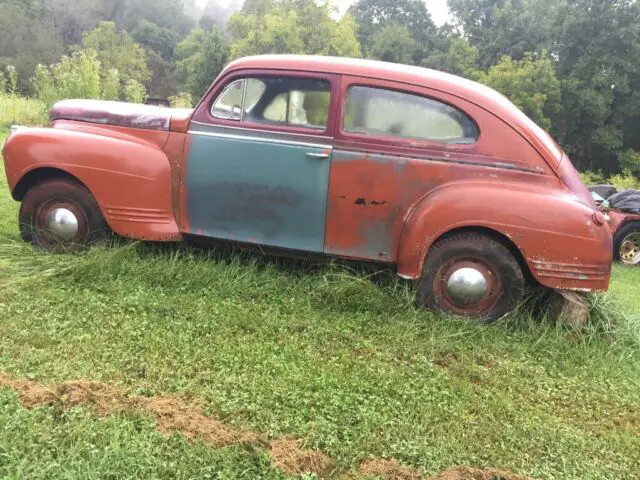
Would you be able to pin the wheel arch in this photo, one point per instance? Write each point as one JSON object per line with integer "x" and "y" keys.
{"x": 494, "y": 234}
{"x": 37, "y": 176}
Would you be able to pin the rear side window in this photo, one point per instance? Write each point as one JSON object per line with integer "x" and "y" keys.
{"x": 300, "y": 102}
{"x": 383, "y": 112}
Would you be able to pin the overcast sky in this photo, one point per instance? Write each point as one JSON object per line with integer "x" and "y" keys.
{"x": 438, "y": 8}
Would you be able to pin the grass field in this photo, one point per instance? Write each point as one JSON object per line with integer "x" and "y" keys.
{"x": 343, "y": 363}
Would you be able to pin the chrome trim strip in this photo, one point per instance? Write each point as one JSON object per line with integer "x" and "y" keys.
{"x": 245, "y": 129}
{"x": 244, "y": 98}
{"x": 261, "y": 139}
{"x": 429, "y": 158}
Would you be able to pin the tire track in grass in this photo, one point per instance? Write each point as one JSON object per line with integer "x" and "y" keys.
{"x": 173, "y": 415}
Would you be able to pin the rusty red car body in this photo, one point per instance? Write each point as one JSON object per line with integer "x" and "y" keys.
{"x": 366, "y": 189}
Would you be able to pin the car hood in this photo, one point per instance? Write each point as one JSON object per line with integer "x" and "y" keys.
{"x": 120, "y": 114}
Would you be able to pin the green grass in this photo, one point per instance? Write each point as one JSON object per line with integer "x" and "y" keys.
{"x": 336, "y": 358}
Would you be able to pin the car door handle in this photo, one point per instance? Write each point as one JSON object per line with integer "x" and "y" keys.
{"x": 318, "y": 156}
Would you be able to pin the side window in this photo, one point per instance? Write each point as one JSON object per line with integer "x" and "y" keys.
{"x": 300, "y": 102}
{"x": 228, "y": 105}
{"x": 378, "y": 111}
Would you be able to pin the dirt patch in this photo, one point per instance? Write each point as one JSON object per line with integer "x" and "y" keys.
{"x": 103, "y": 398}
{"x": 288, "y": 455}
{"x": 170, "y": 414}
{"x": 174, "y": 415}
{"x": 388, "y": 470}
{"x": 468, "y": 473}
{"x": 32, "y": 394}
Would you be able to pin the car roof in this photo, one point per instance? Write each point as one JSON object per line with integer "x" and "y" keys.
{"x": 373, "y": 69}
{"x": 472, "y": 91}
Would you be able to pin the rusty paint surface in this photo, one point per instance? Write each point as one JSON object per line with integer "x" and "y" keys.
{"x": 130, "y": 177}
{"x": 180, "y": 119}
{"x": 119, "y": 114}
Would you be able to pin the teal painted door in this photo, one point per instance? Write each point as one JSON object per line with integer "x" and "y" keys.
{"x": 258, "y": 187}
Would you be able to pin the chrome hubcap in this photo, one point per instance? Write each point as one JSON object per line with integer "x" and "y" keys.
{"x": 467, "y": 286}
{"x": 62, "y": 224}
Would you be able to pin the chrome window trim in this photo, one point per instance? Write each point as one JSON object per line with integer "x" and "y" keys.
{"x": 248, "y": 129}
{"x": 262, "y": 139}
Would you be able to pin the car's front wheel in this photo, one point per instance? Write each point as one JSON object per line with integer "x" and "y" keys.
{"x": 471, "y": 275}
{"x": 61, "y": 215}
{"x": 626, "y": 244}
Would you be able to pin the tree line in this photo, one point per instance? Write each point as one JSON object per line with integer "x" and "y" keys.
{"x": 571, "y": 65}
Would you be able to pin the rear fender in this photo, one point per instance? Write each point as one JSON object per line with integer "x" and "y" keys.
{"x": 555, "y": 234}
{"x": 129, "y": 177}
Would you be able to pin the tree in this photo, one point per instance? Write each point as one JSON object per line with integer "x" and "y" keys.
{"x": 257, "y": 7}
{"x": 72, "y": 18}
{"x": 459, "y": 59}
{"x": 293, "y": 27}
{"x": 169, "y": 14}
{"x": 507, "y": 27}
{"x": 111, "y": 85}
{"x": 393, "y": 44}
{"x": 372, "y": 16}
{"x": 164, "y": 82}
{"x": 27, "y": 37}
{"x": 199, "y": 59}
{"x": 161, "y": 40}
{"x": 217, "y": 14}
{"x": 530, "y": 83}
{"x": 599, "y": 64}
{"x": 117, "y": 50}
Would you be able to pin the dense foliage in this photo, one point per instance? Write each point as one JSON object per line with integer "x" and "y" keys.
{"x": 572, "y": 65}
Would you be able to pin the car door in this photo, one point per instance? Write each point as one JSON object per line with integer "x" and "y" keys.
{"x": 394, "y": 143}
{"x": 259, "y": 158}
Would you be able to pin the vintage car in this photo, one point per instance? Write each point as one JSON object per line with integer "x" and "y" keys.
{"x": 439, "y": 177}
{"x": 622, "y": 211}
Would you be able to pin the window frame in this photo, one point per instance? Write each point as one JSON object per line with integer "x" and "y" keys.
{"x": 243, "y": 98}
{"x": 203, "y": 113}
{"x": 395, "y": 140}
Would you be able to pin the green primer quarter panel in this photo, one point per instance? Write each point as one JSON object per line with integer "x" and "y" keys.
{"x": 254, "y": 188}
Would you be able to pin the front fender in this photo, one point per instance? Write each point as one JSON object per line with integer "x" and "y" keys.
{"x": 555, "y": 234}
{"x": 129, "y": 177}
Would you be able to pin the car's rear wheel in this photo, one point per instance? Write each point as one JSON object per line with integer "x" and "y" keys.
{"x": 626, "y": 244}
{"x": 471, "y": 275}
{"x": 61, "y": 215}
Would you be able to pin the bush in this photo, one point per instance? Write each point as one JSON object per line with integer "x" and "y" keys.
{"x": 77, "y": 76}
{"x": 625, "y": 181}
{"x": 15, "y": 110}
{"x": 592, "y": 178}
{"x": 80, "y": 76}
{"x": 181, "y": 100}
{"x": 134, "y": 91}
